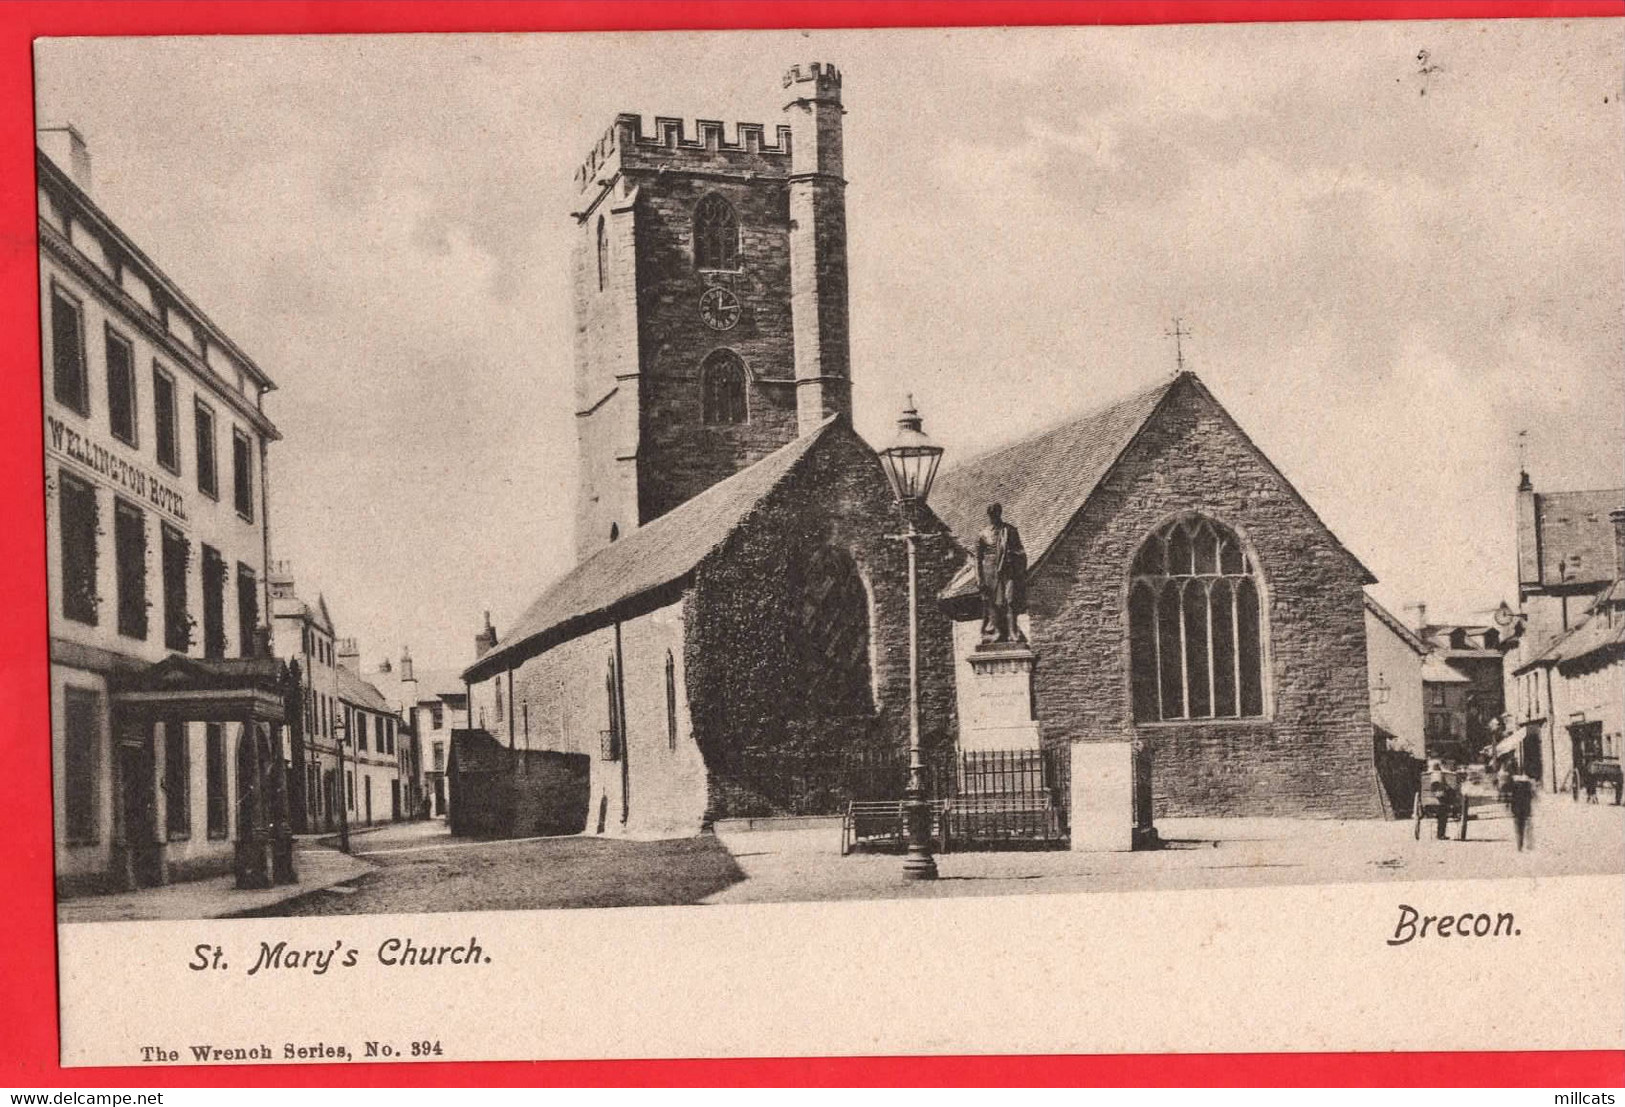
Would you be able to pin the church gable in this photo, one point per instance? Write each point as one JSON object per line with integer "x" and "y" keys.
{"x": 1268, "y": 710}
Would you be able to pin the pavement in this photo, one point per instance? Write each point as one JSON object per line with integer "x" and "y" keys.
{"x": 1569, "y": 839}
{"x": 218, "y": 897}
{"x": 420, "y": 866}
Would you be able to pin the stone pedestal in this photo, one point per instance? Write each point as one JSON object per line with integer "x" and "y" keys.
{"x": 999, "y": 707}
{"x": 1103, "y": 808}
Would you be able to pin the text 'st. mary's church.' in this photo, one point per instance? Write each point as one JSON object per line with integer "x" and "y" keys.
{"x": 711, "y": 302}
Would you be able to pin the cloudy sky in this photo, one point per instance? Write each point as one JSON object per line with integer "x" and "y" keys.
{"x": 1387, "y": 274}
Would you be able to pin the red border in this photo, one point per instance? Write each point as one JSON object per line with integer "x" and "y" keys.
{"x": 28, "y": 1045}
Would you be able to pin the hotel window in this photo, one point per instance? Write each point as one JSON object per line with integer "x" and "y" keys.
{"x": 248, "y": 609}
{"x": 176, "y": 551}
{"x": 242, "y": 474}
{"x": 208, "y": 478}
{"x": 120, "y": 387}
{"x": 68, "y": 379}
{"x": 79, "y": 533}
{"x": 440, "y": 757}
{"x": 1195, "y": 625}
{"x": 130, "y": 558}
{"x": 177, "y": 781}
{"x": 437, "y": 717}
{"x": 360, "y": 732}
{"x": 349, "y": 789}
{"x": 164, "y": 420}
{"x": 214, "y": 603}
{"x": 82, "y": 730}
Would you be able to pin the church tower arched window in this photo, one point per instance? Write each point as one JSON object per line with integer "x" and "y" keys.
{"x": 722, "y": 388}
{"x": 828, "y": 632}
{"x": 716, "y": 234}
{"x": 603, "y": 252}
{"x": 1195, "y": 625}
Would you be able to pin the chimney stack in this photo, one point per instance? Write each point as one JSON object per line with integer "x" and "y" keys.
{"x": 348, "y": 655}
{"x": 486, "y": 640}
{"x": 406, "y": 665}
{"x": 66, "y": 147}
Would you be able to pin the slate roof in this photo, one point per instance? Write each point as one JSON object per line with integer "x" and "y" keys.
{"x": 292, "y": 607}
{"x": 354, "y": 690}
{"x": 1436, "y": 670}
{"x": 1603, "y": 629}
{"x": 1401, "y": 631}
{"x": 653, "y": 556}
{"x": 1574, "y": 525}
{"x": 440, "y": 684}
{"x": 1043, "y": 481}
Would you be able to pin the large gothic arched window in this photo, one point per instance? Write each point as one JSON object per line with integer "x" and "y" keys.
{"x": 828, "y": 632}
{"x": 716, "y": 234}
{"x": 722, "y": 388}
{"x": 1195, "y": 625}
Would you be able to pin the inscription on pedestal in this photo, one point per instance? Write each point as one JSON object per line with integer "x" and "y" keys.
{"x": 1001, "y": 700}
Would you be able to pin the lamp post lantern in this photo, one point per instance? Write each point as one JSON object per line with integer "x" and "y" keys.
{"x": 911, "y": 465}
{"x": 341, "y": 732}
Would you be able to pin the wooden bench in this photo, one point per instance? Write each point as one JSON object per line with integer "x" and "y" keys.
{"x": 992, "y": 817}
{"x": 868, "y": 820}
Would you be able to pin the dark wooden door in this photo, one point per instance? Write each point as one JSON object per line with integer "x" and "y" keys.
{"x": 138, "y": 808}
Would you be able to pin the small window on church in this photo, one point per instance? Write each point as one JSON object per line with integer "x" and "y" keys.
{"x": 716, "y": 234}
{"x": 614, "y": 531}
{"x": 1195, "y": 625}
{"x": 722, "y": 388}
{"x": 603, "y": 253}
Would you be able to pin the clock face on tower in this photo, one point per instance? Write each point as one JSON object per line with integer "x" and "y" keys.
{"x": 719, "y": 309}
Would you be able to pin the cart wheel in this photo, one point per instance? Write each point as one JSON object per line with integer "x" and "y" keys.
{"x": 1418, "y": 812}
{"x": 1461, "y": 834}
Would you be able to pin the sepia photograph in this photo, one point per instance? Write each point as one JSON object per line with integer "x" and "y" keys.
{"x": 518, "y": 472}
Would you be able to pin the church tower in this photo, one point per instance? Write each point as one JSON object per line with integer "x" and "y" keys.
{"x": 711, "y": 302}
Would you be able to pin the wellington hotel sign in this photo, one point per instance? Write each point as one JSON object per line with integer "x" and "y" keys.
{"x": 65, "y": 442}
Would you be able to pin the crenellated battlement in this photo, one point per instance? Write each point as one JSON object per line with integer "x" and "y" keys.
{"x": 669, "y": 138}
{"x": 823, "y": 75}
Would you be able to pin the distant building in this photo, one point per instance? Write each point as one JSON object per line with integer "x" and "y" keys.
{"x": 167, "y": 714}
{"x": 372, "y": 779}
{"x": 1566, "y": 667}
{"x": 1565, "y": 556}
{"x": 303, "y": 632}
{"x": 437, "y": 705}
{"x": 1395, "y": 660}
{"x": 1464, "y": 685}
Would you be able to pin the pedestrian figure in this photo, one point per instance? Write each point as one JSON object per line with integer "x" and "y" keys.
{"x": 1523, "y": 802}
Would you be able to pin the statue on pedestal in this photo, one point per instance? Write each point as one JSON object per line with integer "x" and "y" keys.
{"x": 1001, "y": 572}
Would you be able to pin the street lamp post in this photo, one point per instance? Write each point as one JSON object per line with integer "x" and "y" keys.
{"x": 911, "y": 465}
{"x": 341, "y": 732}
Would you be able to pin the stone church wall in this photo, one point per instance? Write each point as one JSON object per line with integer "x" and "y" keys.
{"x": 565, "y": 692}
{"x": 742, "y": 679}
{"x": 1312, "y": 752}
